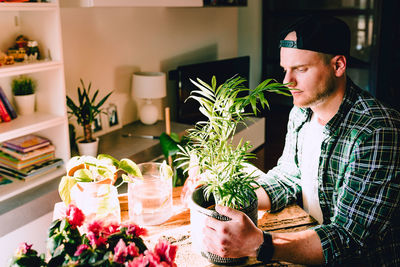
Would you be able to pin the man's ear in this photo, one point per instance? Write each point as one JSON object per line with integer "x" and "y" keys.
{"x": 340, "y": 65}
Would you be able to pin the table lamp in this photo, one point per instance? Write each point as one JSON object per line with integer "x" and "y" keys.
{"x": 148, "y": 86}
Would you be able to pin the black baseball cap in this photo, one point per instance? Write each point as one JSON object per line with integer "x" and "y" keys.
{"x": 325, "y": 34}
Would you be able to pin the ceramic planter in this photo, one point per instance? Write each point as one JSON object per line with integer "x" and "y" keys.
{"x": 199, "y": 212}
{"x": 88, "y": 149}
{"x": 25, "y": 104}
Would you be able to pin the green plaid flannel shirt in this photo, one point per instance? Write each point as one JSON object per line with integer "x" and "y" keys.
{"x": 358, "y": 180}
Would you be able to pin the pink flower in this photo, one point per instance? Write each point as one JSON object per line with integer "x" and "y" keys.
{"x": 23, "y": 248}
{"x": 120, "y": 252}
{"x": 134, "y": 230}
{"x": 140, "y": 261}
{"x": 165, "y": 251}
{"x": 75, "y": 216}
{"x": 81, "y": 249}
{"x": 132, "y": 250}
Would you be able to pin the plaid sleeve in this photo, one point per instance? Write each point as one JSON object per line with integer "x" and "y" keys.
{"x": 367, "y": 199}
{"x": 282, "y": 183}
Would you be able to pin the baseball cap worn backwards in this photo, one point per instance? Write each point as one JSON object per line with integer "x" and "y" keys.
{"x": 318, "y": 33}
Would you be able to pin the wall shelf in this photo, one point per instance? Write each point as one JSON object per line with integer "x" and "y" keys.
{"x": 27, "y": 6}
{"x": 25, "y": 68}
{"x": 131, "y": 3}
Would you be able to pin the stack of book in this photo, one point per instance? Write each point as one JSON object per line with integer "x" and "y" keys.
{"x": 27, "y": 157}
{"x": 7, "y": 111}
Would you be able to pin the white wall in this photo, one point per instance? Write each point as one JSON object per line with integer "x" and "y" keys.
{"x": 106, "y": 45}
{"x": 250, "y": 38}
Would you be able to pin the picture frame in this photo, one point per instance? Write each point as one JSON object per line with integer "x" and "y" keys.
{"x": 97, "y": 124}
{"x": 114, "y": 121}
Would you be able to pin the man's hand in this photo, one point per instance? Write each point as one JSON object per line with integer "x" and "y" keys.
{"x": 232, "y": 239}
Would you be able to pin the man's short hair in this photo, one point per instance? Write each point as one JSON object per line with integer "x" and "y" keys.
{"x": 324, "y": 34}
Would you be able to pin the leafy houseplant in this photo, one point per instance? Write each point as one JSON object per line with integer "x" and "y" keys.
{"x": 23, "y": 89}
{"x": 211, "y": 157}
{"x": 221, "y": 165}
{"x": 23, "y": 85}
{"x": 89, "y": 184}
{"x": 86, "y": 109}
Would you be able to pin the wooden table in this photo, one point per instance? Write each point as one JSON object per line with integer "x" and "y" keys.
{"x": 177, "y": 230}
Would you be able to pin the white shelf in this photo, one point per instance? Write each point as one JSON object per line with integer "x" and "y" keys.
{"x": 27, "y": 124}
{"x": 131, "y": 3}
{"x": 27, "y": 6}
{"x": 25, "y": 68}
{"x": 19, "y": 186}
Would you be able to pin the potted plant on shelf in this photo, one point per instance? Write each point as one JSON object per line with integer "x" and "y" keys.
{"x": 85, "y": 112}
{"x": 23, "y": 89}
{"x": 212, "y": 159}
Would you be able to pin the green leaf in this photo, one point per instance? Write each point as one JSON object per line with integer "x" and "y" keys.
{"x": 168, "y": 145}
{"x": 130, "y": 167}
{"x": 64, "y": 188}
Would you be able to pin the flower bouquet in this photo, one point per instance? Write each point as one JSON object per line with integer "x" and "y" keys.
{"x": 101, "y": 244}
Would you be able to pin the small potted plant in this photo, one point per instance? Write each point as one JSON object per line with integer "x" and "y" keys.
{"x": 85, "y": 112}
{"x": 23, "y": 89}
{"x": 89, "y": 184}
{"x": 211, "y": 156}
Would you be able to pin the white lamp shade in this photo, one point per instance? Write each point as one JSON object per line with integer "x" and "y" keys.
{"x": 149, "y": 85}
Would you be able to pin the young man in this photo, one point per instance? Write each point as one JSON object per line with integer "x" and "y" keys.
{"x": 341, "y": 157}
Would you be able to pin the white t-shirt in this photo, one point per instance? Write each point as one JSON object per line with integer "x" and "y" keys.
{"x": 312, "y": 134}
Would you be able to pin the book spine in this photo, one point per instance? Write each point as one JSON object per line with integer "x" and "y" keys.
{"x": 28, "y": 155}
{"x": 10, "y": 109}
{"x": 3, "y": 113}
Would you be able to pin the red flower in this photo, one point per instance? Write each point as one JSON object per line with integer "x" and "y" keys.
{"x": 111, "y": 229}
{"x": 140, "y": 261}
{"x": 75, "y": 216}
{"x": 120, "y": 252}
{"x": 96, "y": 240}
{"x": 134, "y": 230}
{"x": 165, "y": 251}
{"x": 95, "y": 227}
{"x": 81, "y": 249}
{"x": 132, "y": 250}
{"x": 154, "y": 259}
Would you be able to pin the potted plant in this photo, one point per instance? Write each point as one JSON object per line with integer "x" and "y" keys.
{"x": 211, "y": 156}
{"x": 89, "y": 184}
{"x": 85, "y": 112}
{"x": 23, "y": 89}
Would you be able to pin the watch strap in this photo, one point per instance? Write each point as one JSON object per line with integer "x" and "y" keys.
{"x": 266, "y": 250}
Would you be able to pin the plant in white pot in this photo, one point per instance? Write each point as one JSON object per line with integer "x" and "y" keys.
{"x": 220, "y": 165}
{"x": 85, "y": 112}
{"x": 23, "y": 89}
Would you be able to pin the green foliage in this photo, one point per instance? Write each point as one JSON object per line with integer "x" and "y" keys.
{"x": 221, "y": 164}
{"x": 23, "y": 85}
{"x": 170, "y": 147}
{"x": 86, "y": 109}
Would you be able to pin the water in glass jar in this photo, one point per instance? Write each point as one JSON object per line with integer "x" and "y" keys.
{"x": 150, "y": 200}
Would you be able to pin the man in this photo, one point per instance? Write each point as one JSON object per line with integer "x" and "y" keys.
{"x": 341, "y": 157}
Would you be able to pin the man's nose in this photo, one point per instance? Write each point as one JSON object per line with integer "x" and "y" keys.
{"x": 289, "y": 79}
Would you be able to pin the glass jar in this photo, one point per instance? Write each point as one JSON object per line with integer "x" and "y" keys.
{"x": 150, "y": 196}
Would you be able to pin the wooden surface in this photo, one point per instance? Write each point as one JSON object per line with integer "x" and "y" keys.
{"x": 177, "y": 230}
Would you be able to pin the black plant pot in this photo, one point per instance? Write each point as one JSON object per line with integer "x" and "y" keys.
{"x": 198, "y": 212}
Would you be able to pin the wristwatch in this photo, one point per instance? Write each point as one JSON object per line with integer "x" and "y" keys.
{"x": 266, "y": 250}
